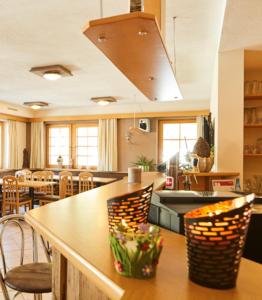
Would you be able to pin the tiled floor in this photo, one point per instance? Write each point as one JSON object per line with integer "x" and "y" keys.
{"x": 11, "y": 244}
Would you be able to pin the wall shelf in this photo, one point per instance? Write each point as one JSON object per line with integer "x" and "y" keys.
{"x": 253, "y": 97}
{"x": 253, "y": 126}
{"x": 134, "y": 44}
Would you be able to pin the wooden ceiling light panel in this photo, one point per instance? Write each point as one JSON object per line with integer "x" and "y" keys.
{"x": 134, "y": 44}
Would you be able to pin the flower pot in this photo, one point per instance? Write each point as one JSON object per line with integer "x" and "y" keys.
{"x": 136, "y": 254}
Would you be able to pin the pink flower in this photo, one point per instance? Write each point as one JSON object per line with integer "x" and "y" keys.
{"x": 119, "y": 266}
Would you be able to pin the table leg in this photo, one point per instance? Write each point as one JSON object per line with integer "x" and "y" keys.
{"x": 32, "y": 195}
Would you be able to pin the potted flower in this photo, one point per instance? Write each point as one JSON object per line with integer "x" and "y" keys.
{"x": 145, "y": 164}
{"x": 137, "y": 253}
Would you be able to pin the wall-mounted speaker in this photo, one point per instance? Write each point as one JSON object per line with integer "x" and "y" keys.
{"x": 144, "y": 125}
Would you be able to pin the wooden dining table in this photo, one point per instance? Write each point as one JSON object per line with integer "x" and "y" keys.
{"x": 97, "y": 180}
{"x": 32, "y": 185}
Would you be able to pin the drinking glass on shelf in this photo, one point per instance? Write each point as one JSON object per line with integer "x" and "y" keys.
{"x": 255, "y": 87}
{"x": 247, "y": 88}
{"x": 246, "y": 149}
{"x": 260, "y": 87}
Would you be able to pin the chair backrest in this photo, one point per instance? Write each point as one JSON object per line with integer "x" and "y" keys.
{"x": 132, "y": 208}
{"x": 23, "y": 175}
{"x": 49, "y": 176}
{"x": 19, "y": 222}
{"x": 85, "y": 181}
{"x": 10, "y": 189}
{"x": 40, "y": 176}
{"x": 69, "y": 183}
{"x": 62, "y": 186}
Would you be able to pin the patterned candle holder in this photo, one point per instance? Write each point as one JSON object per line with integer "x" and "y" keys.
{"x": 136, "y": 254}
{"x": 215, "y": 240}
{"x": 133, "y": 208}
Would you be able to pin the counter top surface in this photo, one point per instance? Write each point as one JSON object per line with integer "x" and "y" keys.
{"x": 213, "y": 174}
{"x": 78, "y": 228}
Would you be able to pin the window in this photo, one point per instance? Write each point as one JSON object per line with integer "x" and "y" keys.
{"x": 176, "y": 136}
{"x": 76, "y": 143}
{"x": 86, "y": 145}
{"x": 59, "y": 144}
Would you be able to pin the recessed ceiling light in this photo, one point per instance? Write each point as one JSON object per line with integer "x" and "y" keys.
{"x": 142, "y": 33}
{"x": 36, "y": 104}
{"x": 103, "y": 101}
{"x": 52, "y": 75}
{"x": 52, "y": 72}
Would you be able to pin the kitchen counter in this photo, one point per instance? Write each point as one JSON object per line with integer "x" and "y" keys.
{"x": 83, "y": 265}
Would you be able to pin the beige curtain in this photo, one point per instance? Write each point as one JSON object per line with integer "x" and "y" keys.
{"x": 200, "y": 126}
{"x": 37, "y": 154}
{"x": 17, "y": 143}
{"x": 107, "y": 145}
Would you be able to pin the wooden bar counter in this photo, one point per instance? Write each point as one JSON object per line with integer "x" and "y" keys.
{"x": 83, "y": 265}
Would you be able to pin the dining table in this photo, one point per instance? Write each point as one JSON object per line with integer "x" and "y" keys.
{"x": 97, "y": 180}
{"x": 32, "y": 185}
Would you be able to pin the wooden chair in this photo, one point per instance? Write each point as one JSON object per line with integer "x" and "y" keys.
{"x": 27, "y": 173}
{"x": 132, "y": 208}
{"x": 70, "y": 184}
{"x": 12, "y": 197}
{"x": 85, "y": 181}
{"x": 62, "y": 192}
{"x": 35, "y": 277}
{"x": 40, "y": 176}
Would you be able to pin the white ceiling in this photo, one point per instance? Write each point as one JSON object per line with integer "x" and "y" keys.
{"x": 37, "y": 33}
{"x": 242, "y": 27}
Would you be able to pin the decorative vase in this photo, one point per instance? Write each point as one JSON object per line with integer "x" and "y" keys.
{"x": 60, "y": 161}
{"x": 205, "y": 164}
{"x": 136, "y": 254}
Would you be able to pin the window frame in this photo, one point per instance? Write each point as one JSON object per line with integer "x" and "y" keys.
{"x": 72, "y": 141}
{"x": 161, "y": 133}
{"x": 1, "y": 144}
{"x": 48, "y": 127}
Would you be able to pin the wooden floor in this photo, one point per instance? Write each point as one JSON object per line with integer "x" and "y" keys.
{"x": 12, "y": 252}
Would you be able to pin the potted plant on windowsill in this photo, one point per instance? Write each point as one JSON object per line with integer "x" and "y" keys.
{"x": 145, "y": 164}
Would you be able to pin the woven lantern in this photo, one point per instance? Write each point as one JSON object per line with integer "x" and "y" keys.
{"x": 215, "y": 240}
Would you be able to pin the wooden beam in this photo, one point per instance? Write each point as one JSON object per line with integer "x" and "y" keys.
{"x": 192, "y": 113}
{"x": 14, "y": 118}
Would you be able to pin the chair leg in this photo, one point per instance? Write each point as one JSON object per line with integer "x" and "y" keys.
{"x": 37, "y": 296}
{"x": 3, "y": 209}
{"x": 4, "y": 289}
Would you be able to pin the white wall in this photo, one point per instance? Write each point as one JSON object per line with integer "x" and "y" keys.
{"x": 227, "y": 106}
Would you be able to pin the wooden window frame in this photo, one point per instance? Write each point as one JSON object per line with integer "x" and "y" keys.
{"x": 74, "y": 128}
{"x": 72, "y": 141}
{"x": 160, "y": 133}
{"x": 47, "y": 141}
{"x": 2, "y": 144}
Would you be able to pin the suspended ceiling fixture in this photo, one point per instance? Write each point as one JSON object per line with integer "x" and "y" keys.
{"x": 103, "y": 101}
{"x": 134, "y": 44}
{"x": 52, "y": 72}
{"x": 36, "y": 104}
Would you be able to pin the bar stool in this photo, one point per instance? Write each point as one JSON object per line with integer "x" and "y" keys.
{"x": 132, "y": 208}
{"x": 85, "y": 181}
{"x": 35, "y": 277}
